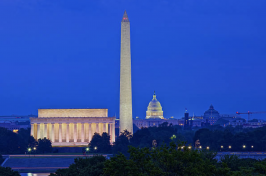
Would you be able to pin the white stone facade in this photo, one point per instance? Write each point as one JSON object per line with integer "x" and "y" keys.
{"x": 72, "y": 131}
{"x": 125, "y": 113}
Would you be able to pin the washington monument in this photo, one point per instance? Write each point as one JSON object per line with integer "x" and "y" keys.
{"x": 125, "y": 111}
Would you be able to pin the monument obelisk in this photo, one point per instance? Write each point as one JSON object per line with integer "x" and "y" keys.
{"x": 125, "y": 111}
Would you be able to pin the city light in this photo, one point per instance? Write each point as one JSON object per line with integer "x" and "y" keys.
{"x": 34, "y": 148}
{"x": 252, "y": 146}
{"x": 189, "y": 147}
{"x": 200, "y": 147}
{"x": 173, "y": 137}
{"x": 222, "y": 146}
{"x": 207, "y": 147}
{"x": 29, "y": 149}
{"x": 95, "y": 148}
{"x": 87, "y": 149}
{"x": 244, "y": 146}
{"x": 229, "y": 147}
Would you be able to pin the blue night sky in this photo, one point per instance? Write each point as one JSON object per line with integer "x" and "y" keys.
{"x": 66, "y": 54}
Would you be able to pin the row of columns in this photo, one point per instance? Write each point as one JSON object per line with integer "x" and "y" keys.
{"x": 48, "y": 130}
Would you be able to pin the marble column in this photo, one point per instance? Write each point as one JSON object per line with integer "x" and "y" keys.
{"x": 97, "y": 128}
{"x": 32, "y": 130}
{"x": 38, "y": 131}
{"x": 86, "y": 128}
{"x": 113, "y": 132}
{"x": 45, "y": 131}
{"x": 52, "y": 132}
{"x": 60, "y": 132}
{"x": 67, "y": 132}
{"x": 104, "y": 127}
{"x": 82, "y": 132}
{"x": 90, "y": 132}
{"x": 75, "y": 132}
{"x": 109, "y": 130}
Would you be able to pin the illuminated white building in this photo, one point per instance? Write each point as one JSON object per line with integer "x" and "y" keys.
{"x": 72, "y": 127}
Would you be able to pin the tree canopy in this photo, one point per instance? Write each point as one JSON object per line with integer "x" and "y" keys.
{"x": 100, "y": 143}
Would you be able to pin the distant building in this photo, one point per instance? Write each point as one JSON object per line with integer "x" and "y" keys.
{"x": 211, "y": 115}
{"x": 72, "y": 127}
{"x": 15, "y": 126}
{"x": 154, "y": 110}
{"x": 187, "y": 122}
{"x": 154, "y": 116}
{"x": 255, "y": 123}
{"x": 15, "y": 123}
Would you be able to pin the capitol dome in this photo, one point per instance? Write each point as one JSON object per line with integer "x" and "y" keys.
{"x": 154, "y": 110}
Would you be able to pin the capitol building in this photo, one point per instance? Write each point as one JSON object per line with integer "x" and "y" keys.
{"x": 154, "y": 116}
{"x": 154, "y": 110}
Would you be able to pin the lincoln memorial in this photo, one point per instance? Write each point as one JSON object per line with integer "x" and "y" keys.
{"x": 72, "y": 127}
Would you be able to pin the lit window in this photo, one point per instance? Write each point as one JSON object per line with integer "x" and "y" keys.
{"x": 15, "y": 131}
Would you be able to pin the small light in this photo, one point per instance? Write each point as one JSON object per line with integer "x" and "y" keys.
{"x": 95, "y": 148}
{"x": 208, "y": 147}
{"x": 87, "y": 149}
{"x": 189, "y": 147}
{"x": 34, "y": 148}
{"x": 200, "y": 147}
{"x": 244, "y": 146}
{"x": 222, "y": 146}
{"x": 229, "y": 146}
{"x": 252, "y": 146}
{"x": 29, "y": 149}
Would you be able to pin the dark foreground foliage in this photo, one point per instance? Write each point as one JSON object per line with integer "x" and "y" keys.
{"x": 83, "y": 166}
{"x": 18, "y": 143}
{"x": 7, "y": 171}
{"x": 164, "y": 160}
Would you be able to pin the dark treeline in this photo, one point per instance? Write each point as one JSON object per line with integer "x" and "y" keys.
{"x": 164, "y": 160}
{"x": 232, "y": 139}
{"x": 216, "y": 138}
{"x": 19, "y": 143}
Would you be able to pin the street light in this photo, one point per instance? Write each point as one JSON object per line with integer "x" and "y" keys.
{"x": 29, "y": 150}
{"x": 87, "y": 150}
{"x": 189, "y": 147}
{"x": 229, "y": 147}
{"x": 200, "y": 147}
{"x": 244, "y": 146}
{"x": 34, "y": 148}
{"x": 173, "y": 137}
{"x": 207, "y": 147}
{"x": 222, "y": 146}
{"x": 95, "y": 148}
{"x": 252, "y": 146}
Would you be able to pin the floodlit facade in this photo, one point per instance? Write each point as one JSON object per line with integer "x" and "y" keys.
{"x": 125, "y": 107}
{"x": 72, "y": 127}
{"x": 154, "y": 110}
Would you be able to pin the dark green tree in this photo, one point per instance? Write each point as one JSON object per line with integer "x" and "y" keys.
{"x": 122, "y": 142}
{"x": 164, "y": 160}
{"x": 10, "y": 142}
{"x": 26, "y": 139}
{"x": 44, "y": 146}
{"x": 100, "y": 143}
{"x": 83, "y": 167}
{"x": 7, "y": 171}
